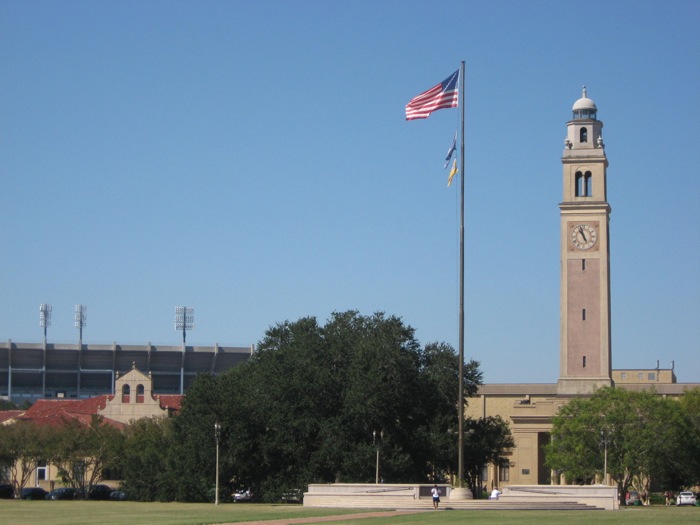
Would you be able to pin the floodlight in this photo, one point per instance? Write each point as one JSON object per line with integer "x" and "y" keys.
{"x": 45, "y": 317}
{"x": 80, "y": 319}
{"x": 184, "y": 320}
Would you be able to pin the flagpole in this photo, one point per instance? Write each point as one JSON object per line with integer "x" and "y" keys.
{"x": 460, "y": 431}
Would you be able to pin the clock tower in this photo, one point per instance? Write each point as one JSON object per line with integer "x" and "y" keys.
{"x": 585, "y": 353}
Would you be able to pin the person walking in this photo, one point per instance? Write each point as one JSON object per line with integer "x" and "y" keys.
{"x": 436, "y": 496}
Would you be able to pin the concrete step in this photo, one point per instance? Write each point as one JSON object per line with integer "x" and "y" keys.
{"x": 409, "y": 503}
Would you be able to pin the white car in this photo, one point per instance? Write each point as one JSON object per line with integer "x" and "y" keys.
{"x": 685, "y": 498}
{"x": 243, "y": 495}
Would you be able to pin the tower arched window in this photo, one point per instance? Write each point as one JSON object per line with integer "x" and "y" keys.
{"x": 584, "y": 184}
{"x": 139, "y": 393}
{"x": 583, "y": 135}
{"x": 126, "y": 391}
{"x": 588, "y": 184}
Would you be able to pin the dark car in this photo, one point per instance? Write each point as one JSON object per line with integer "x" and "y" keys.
{"x": 33, "y": 493}
{"x": 118, "y": 495}
{"x": 7, "y": 491}
{"x": 95, "y": 492}
{"x": 62, "y": 493}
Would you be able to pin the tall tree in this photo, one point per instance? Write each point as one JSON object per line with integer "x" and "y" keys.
{"x": 488, "y": 441}
{"x": 145, "y": 464}
{"x": 82, "y": 453}
{"x": 643, "y": 436}
{"x": 23, "y": 445}
{"x": 316, "y": 403}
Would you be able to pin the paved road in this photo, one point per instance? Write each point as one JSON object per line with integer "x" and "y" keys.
{"x": 324, "y": 519}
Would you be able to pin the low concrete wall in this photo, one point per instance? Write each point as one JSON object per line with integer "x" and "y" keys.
{"x": 601, "y": 496}
{"x": 397, "y": 491}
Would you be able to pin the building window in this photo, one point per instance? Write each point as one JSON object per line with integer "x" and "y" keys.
{"x": 41, "y": 470}
{"x": 584, "y": 361}
{"x": 623, "y": 375}
{"x": 583, "y": 265}
{"x": 583, "y": 314}
{"x": 485, "y": 474}
{"x": 126, "y": 390}
{"x": 139, "y": 394}
{"x": 640, "y": 376}
{"x": 583, "y": 135}
{"x": 652, "y": 376}
{"x": 504, "y": 473}
{"x": 526, "y": 472}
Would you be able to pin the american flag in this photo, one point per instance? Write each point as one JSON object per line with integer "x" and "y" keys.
{"x": 444, "y": 95}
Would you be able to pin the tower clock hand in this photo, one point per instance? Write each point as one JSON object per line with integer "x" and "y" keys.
{"x": 583, "y": 233}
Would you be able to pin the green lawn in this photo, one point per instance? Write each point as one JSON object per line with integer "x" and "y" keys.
{"x": 131, "y": 513}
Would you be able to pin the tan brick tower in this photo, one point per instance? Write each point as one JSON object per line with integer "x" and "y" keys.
{"x": 585, "y": 353}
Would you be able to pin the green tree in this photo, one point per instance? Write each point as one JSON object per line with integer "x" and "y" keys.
{"x": 487, "y": 440}
{"x": 689, "y": 405}
{"x": 440, "y": 372}
{"x": 304, "y": 408}
{"x": 81, "y": 452}
{"x": 23, "y": 445}
{"x": 642, "y": 434}
{"x": 145, "y": 463}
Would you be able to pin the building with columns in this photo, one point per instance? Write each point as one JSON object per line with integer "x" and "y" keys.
{"x": 585, "y": 354}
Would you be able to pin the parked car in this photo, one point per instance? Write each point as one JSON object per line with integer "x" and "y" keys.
{"x": 95, "y": 492}
{"x": 118, "y": 495}
{"x": 62, "y": 493}
{"x": 7, "y": 491}
{"x": 33, "y": 493}
{"x": 686, "y": 498}
{"x": 242, "y": 495}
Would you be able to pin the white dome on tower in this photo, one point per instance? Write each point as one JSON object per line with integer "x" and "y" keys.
{"x": 584, "y": 107}
{"x": 584, "y": 102}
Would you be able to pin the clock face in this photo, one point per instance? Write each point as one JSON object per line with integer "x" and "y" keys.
{"x": 584, "y": 236}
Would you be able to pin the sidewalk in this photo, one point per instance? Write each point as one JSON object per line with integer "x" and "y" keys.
{"x": 324, "y": 519}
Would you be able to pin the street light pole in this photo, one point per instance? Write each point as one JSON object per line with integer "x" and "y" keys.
{"x": 376, "y": 444}
{"x": 604, "y": 437}
{"x": 217, "y": 435}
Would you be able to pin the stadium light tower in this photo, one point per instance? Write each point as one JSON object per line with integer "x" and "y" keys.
{"x": 184, "y": 320}
{"x": 44, "y": 317}
{"x": 80, "y": 320}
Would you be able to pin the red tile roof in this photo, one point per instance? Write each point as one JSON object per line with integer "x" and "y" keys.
{"x": 170, "y": 402}
{"x": 55, "y": 412}
{"x": 6, "y": 415}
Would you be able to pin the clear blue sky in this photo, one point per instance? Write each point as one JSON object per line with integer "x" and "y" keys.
{"x": 251, "y": 160}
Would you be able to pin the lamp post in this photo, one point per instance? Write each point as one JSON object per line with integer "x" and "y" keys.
{"x": 604, "y": 438}
{"x": 376, "y": 445}
{"x": 217, "y": 435}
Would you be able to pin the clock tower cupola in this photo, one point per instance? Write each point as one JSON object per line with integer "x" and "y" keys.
{"x": 585, "y": 353}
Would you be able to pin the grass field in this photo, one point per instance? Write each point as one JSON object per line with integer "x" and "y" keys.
{"x": 132, "y": 513}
